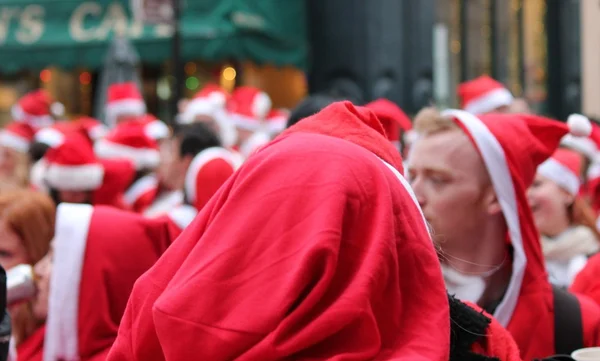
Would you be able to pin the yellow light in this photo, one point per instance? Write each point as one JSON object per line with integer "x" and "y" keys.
{"x": 229, "y": 73}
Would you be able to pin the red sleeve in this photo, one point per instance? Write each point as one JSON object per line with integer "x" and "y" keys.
{"x": 587, "y": 282}
{"x": 590, "y": 315}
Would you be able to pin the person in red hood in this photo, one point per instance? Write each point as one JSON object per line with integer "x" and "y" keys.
{"x": 470, "y": 175}
{"x": 85, "y": 280}
{"x": 328, "y": 258}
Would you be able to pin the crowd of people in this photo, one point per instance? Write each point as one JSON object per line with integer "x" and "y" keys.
{"x": 336, "y": 231}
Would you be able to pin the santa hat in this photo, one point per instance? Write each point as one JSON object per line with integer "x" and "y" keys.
{"x": 248, "y": 107}
{"x": 564, "y": 169}
{"x": 277, "y": 120}
{"x": 483, "y": 95}
{"x": 132, "y": 140}
{"x": 123, "y": 99}
{"x": 95, "y": 129}
{"x": 154, "y": 127}
{"x": 209, "y": 101}
{"x": 140, "y": 195}
{"x": 392, "y": 118}
{"x": 93, "y": 274}
{"x": 35, "y": 109}
{"x": 588, "y": 146}
{"x": 512, "y": 146}
{"x": 17, "y": 136}
{"x": 207, "y": 172}
{"x": 71, "y": 165}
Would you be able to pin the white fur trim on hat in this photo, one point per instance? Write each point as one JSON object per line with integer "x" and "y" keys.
{"x": 129, "y": 106}
{"x": 70, "y": 239}
{"x": 198, "y": 107}
{"x": 560, "y": 175}
{"x": 583, "y": 145}
{"x": 37, "y": 121}
{"x": 261, "y": 105}
{"x": 254, "y": 143}
{"x": 579, "y": 125}
{"x": 98, "y": 131}
{"x": 11, "y": 140}
{"x": 183, "y": 215}
{"x": 50, "y": 137}
{"x": 490, "y": 101}
{"x": 244, "y": 122}
{"x": 74, "y": 178}
{"x": 199, "y": 161}
{"x": 139, "y": 188}
{"x": 157, "y": 130}
{"x": 143, "y": 158}
{"x": 496, "y": 163}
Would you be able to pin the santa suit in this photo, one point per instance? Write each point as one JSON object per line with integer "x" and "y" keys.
{"x": 99, "y": 252}
{"x": 32, "y": 348}
{"x": 511, "y": 147}
{"x": 328, "y": 257}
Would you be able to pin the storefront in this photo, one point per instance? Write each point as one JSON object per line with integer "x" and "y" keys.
{"x": 61, "y": 45}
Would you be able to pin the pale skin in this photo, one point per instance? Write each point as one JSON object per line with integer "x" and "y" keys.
{"x": 549, "y": 204}
{"x": 172, "y": 167}
{"x": 42, "y": 271}
{"x": 454, "y": 190}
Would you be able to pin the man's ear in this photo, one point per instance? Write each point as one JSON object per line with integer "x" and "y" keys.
{"x": 490, "y": 201}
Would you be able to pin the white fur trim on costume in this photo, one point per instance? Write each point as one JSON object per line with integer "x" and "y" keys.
{"x": 489, "y": 101}
{"x": 245, "y": 122}
{"x": 254, "y": 143}
{"x": 198, "y": 107}
{"x": 579, "y": 125}
{"x": 157, "y": 130}
{"x": 36, "y": 121}
{"x": 121, "y": 107}
{"x": 164, "y": 203}
{"x": 142, "y": 158}
{"x": 199, "y": 161}
{"x": 261, "y": 105}
{"x": 11, "y": 140}
{"x": 36, "y": 175}
{"x": 277, "y": 125}
{"x": 98, "y": 131}
{"x": 497, "y": 166}
{"x": 50, "y": 137}
{"x": 593, "y": 171}
{"x": 583, "y": 145}
{"x": 560, "y": 175}
{"x": 70, "y": 240}
{"x": 183, "y": 215}
{"x": 74, "y": 178}
{"x": 139, "y": 188}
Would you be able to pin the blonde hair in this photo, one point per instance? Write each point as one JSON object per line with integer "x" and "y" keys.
{"x": 30, "y": 215}
{"x": 429, "y": 120}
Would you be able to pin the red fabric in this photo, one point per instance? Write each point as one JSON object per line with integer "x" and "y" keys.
{"x": 118, "y": 175}
{"x": 477, "y": 88}
{"x": 32, "y": 348}
{"x": 570, "y": 159}
{"x": 35, "y": 103}
{"x": 392, "y": 118}
{"x": 120, "y": 247}
{"x": 209, "y": 179}
{"x": 123, "y": 91}
{"x": 328, "y": 258}
{"x": 587, "y": 282}
{"x": 497, "y": 341}
{"x": 527, "y": 141}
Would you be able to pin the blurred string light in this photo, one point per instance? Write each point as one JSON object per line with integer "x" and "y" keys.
{"x": 85, "y": 78}
{"x": 46, "y": 75}
{"x": 228, "y": 75}
{"x": 192, "y": 83}
{"x": 190, "y": 68}
{"x": 163, "y": 88}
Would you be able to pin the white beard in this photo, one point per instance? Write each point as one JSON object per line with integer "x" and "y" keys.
{"x": 464, "y": 287}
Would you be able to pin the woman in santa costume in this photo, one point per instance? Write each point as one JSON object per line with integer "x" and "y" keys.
{"x": 85, "y": 280}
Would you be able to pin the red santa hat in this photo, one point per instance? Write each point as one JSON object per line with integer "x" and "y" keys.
{"x": 132, "y": 140}
{"x": 277, "y": 120}
{"x": 93, "y": 274}
{"x": 17, "y": 136}
{"x": 95, "y": 129}
{"x": 210, "y": 101}
{"x": 512, "y": 146}
{"x": 248, "y": 107}
{"x": 564, "y": 169}
{"x": 483, "y": 95}
{"x": 71, "y": 165}
{"x": 392, "y": 118}
{"x": 118, "y": 176}
{"x": 322, "y": 214}
{"x": 207, "y": 172}
{"x": 140, "y": 195}
{"x": 34, "y": 108}
{"x": 123, "y": 99}
{"x": 154, "y": 127}
{"x": 588, "y": 146}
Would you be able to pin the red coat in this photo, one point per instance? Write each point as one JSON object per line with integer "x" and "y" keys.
{"x": 587, "y": 288}
{"x": 32, "y": 348}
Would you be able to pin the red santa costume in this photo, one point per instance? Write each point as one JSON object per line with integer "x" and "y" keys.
{"x": 393, "y": 119}
{"x": 32, "y": 348}
{"x": 34, "y": 109}
{"x": 511, "y": 147}
{"x": 329, "y": 255}
{"x": 99, "y": 252}
{"x": 123, "y": 99}
{"x": 483, "y": 95}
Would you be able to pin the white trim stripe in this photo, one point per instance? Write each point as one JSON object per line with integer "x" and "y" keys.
{"x": 497, "y": 166}
{"x": 84, "y": 177}
{"x": 126, "y": 106}
{"x": 583, "y": 145}
{"x": 199, "y": 161}
{"x": 139, "y": 188}
{"x": 14, "y": 141}
{"x": 560, "y": 175}
{"x": 244, "y": 122}
{"x": 72, "y": 226}
{"x": 489, "y": 101}
{"x": 182, "y": 215}
{"x": 143, "y": 158}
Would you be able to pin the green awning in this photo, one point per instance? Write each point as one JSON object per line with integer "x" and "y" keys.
{"x": 75, "y": 33}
